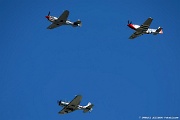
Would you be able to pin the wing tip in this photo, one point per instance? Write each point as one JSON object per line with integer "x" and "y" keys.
{"x": 151, "y": 18}
{"x": 78, "y": 95}
{"x": 66, "y": 11}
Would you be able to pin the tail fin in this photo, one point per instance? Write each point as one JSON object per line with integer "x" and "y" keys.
{"x": 159, "y": 30}
{"x": 89, "y": 104}
{"x": 78, "y": 23}
{"x": 88, "y": 107}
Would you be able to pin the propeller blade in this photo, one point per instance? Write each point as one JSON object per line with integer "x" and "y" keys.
{"x": 58, "y": 101}
{"x": 129, "y": 22}
{"x": 49, "y": 13}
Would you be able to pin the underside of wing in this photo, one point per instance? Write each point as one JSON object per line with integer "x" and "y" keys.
{"x": 144, "y": 27}
{"x": 53, "y": 25}
{"x": 73, "y": 105}
{"x": 76, "y": 101}
{"x": 66, "y": 110}
{"x": 135, "y": 34}
{"x": 63, "y": 16}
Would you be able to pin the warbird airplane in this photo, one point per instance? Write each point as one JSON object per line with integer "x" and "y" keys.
{"x": 143, "y": 29}
{"x": 62, "y": 20}
{"x": 74, "y": 105}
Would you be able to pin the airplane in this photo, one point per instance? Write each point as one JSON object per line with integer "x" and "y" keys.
{"x": 62, "y": 20}
{"x": 143, "y": 29}
{"x": 74, "y": 105}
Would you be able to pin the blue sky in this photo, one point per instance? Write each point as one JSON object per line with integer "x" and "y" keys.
{"x": 124, "y": 79}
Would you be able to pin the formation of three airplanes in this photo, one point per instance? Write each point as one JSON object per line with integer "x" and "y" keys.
{"x": 62, "y": 20}
{"x": 139, "y": 29}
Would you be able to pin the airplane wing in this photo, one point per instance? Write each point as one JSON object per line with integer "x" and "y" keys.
{"x": 72, "y": 105}
{"x": 144, "y": 27}
{"x": 53, "y": 25}
{"x": 63, "y": 16}
{"x": 135, "y": 34}
{"x": 60, "y": 21}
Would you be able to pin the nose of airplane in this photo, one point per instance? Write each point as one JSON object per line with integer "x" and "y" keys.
{"x": 47, "y": 17}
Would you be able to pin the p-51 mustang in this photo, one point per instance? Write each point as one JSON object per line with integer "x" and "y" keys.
{"x": 74, "y": 105}
{"x": 143, "y": 29}
{"x": 62, "y": 20}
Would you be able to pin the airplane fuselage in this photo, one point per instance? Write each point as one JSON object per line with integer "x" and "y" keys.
{"x": 79, "y": 107}
{"x": 149, "y": 30}
{"x": 53, "y": 19}
{"x": 67, "y": 22}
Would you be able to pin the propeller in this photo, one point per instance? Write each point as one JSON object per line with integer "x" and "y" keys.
{"x": 48, "y": 13}
{"x": 59, "y": 102}
{"x": 129, "y": 22}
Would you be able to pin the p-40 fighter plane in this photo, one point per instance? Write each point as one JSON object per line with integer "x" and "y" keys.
{"x": 74, "y": 105}
{"x": 62, "y": 20}
{"x": 143, "y": 29}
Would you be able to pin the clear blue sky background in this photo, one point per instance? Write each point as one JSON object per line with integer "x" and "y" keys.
{"x": 124, "y": 79}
